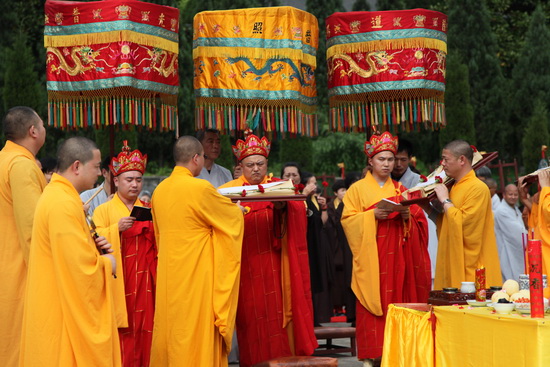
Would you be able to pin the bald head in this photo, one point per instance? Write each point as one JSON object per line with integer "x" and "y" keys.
{"x": 511, "y": 194}
{"x": 17, "y": 122}
{"x": 185, "y": 149}
{"x": 460, "y": 148}
{"x": 75, "y": 149}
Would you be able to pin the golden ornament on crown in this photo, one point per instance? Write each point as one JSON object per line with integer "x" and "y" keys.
{"x": 128, "y": 161}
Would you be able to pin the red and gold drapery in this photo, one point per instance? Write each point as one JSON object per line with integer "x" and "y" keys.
{"x": 386, "y": 70}
{"x": 111, "y": 62}
{"x": 254, "y": 68}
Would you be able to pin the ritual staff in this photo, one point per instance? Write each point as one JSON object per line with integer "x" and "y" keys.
{"x": 136, "y": 253}
{"x": 510, "y": 233}
{"x": 389, "y": 246}
{"x": 199, "y": 236}
{"x": 466, "y": 229}
{"x": 274, "y": 317}
{"x": 21, "y": 184}
{"x": 68, "y": 317}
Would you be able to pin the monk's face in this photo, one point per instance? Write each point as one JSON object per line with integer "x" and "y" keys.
{"x": 129, "y": 184}
{"x": 382, "y": 165}
{"x": 511, "y": 195}
{"x": 89, "y": 172}
{"x": 452, "y": 165}
{"x": 401, "y": 163}
{"x": 212, "y": 145}
{"x": 254, "y": 169}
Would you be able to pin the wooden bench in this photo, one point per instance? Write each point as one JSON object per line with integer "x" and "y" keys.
{"x": 299, "y": 361}
{"x": 328, "y": 333}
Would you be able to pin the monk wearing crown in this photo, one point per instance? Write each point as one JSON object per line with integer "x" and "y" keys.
{"x": 274, "y": 317}
{"x": 199, "y": 234}
{"x": 136, "y": 253}
{"x": 389, "y": 245}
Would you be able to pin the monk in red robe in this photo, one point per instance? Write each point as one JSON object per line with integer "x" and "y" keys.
{"x": 389, "y": 245}
{"x": 133, "y": 240}
{"x": 274, "y": 315}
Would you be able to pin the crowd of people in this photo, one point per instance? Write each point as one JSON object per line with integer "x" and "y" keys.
{"x": 114, "y": 276}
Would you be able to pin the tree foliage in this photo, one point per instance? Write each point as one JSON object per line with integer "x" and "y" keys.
{"x": 531, "y": 77}
{"x": 338, "y": 147}
{"x": 460, "y": 114}
{"x": 471, "y": 37}
{"x": 536, "y": 135}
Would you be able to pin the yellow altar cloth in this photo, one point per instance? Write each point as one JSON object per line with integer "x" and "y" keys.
{"x": 476, "y": 337}
{"x": 408, "y": 338}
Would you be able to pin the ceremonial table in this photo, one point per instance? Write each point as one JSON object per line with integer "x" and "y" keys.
{"x": 464, "y": 336}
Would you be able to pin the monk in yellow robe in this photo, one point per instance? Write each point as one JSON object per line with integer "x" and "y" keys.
{"x": 199, "y": 234}
{"x": 539, "y": 219}
{"x": 69, "y": 313}
{"x": 466, "y": 227}
{"x": 21, "y": 184}
{"x": 136, "y": 253}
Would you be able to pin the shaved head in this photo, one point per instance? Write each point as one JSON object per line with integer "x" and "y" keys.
{"x": 511, "y": 194}
{"x": 75, "y": 149}
{"x": 460, "y": 148}
{"x": 491, "y": 183}
{"x": 17, "y": 122}
{"x": 186, "y": 148}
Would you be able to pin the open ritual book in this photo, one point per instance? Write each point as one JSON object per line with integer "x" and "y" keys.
{"x": 141, "y": 213}
{"x": 388, "y": 204}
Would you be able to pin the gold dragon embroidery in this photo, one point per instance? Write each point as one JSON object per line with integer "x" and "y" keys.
{"x": 382, "y": 58}
{"x": 159, "y": 55}
{"x": 84, "y": 59}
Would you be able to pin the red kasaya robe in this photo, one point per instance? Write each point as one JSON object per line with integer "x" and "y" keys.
{"x": 275, "y": 314}
{"x": 390, "y": 259}
{"x": 136, "y": 254}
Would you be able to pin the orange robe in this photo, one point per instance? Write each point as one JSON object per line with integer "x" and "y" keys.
{"x": 136, "y": 254}
{"x": 199, "y": 235}
{"x": 391, "y": 263}
{"x": 69, "y": 312}
{"x": 540, "y": 220}
{"x": 466, "y": 235}
{"x": 21, "y": 184}
{"x": 275, "y": 314}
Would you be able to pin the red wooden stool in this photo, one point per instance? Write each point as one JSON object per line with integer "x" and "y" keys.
{"x": 299, "y": 361}
{"x": 329, "y": 333}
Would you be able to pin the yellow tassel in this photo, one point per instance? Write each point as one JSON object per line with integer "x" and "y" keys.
{"x": 382, "y": 45}
{"x": 113, "y": 36}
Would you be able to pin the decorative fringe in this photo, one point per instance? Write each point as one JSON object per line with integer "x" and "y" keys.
{"x": 255, "y": 53}
{"x": 393, "y": 116}
{"x": 391, "y": 44}
{"x": 72, "y": 113}
{"x": 113, "y": 36}
{"x": 260, "y": 118}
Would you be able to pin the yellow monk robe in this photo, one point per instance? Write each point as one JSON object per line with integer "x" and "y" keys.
{"x": 199, "y": 236}
{"x": 21, "y": 184}
{"x": 69, "y": 313}
{"x": 467, "y": 236}
{"x": 106, "y": 220}
{"x": 540, "y": 219}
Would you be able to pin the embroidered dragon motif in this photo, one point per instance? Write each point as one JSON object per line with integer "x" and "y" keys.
{"x": 160, "y": 55}
{"x": 380, "y": 58}
{"x": 84, "y": 59}
{"x": 304, "y": 73}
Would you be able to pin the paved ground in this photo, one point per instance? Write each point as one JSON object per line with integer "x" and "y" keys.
{"x": 344, "y": 359}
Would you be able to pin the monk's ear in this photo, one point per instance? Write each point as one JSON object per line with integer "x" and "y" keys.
{"x": 75, "y": 167}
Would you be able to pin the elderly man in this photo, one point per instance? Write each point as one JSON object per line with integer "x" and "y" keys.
{"x": 212, "y": 172}
{"x": 274, "y": 317}
{"x": 389, "y": 246}
{"x": 102, "y": 193}
{"x": 466, "y": 226}
{"x": 135, "y": 250}
{"x": 21, "y": 184}
{"x": 199, "y": 236}
{"x": 68, "y": 318}
{"x": 510, "y": 232}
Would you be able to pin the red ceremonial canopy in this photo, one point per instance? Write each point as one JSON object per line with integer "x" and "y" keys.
{"x": 111, "y": 62}
{"x": 386, "y": 69}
